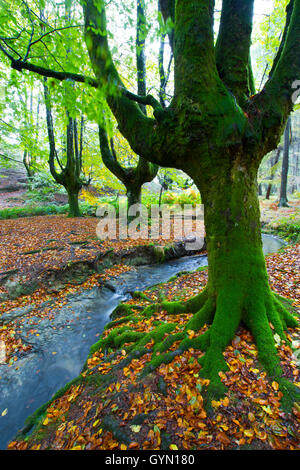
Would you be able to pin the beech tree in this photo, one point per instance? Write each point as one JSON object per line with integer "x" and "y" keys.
{"x": 67, "y": 170}
{"x": 217, "y": 130}
{"x": 283, "y": 200}
{"x": 133, "y": 178}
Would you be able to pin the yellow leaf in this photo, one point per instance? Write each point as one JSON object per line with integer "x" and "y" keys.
{"x": 135, "y": 428}
{"x": 225, "y": 402}
{"x": 46, "y": 421}
{"x": 4, "y": 412}
{"x": 275, "y": 386}
{"x": 173, "y": 447}
{"x": 215, "y": 403}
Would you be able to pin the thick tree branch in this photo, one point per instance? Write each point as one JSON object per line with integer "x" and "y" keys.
{"x": 233, "y": 47}
{"x": 289, "y": 11}
{"x": 21, "y": 65}
{"x": 52, "y": 147}
{"x": 194, "y": 54}
{"x": 140, "y": 51}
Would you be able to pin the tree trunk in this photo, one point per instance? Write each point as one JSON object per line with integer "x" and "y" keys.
{"x": 237, "y": 290}
{"x": 283, "y": 201}
{"x": 134, "y": 196}
{"x": 274, "y": 162}
{"x": 74, "y": 210}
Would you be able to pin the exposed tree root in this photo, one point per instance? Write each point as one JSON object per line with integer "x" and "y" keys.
{"x": 264, "y": 314}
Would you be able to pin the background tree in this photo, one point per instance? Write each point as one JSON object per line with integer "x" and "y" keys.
{"x": 70, "y": 174}
{"x": 70, "y": 166}
{"x": 274, "y": 163}
{"x": 133, "y": 178}
{"x": 283, "y": 201}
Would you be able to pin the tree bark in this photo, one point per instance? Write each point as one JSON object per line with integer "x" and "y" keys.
{"x": 238, "y": 289}
{"x": 276, "y": 160}
{"x": 283, "y": 200}
{"x": 74, "y": 210}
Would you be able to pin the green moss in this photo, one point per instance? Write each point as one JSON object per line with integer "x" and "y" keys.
{"x": 168, "y": 342}
{"x": 150, "y": 310}
{"x": 141, "y": 295}
{"x": 127, "y": 337}
{"x": 129, "y": 319}
{"x": 120, "y": 311}
{"x": 159, "y": 253}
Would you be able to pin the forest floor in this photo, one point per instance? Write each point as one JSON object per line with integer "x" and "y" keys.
{"x": 166, "y": 410}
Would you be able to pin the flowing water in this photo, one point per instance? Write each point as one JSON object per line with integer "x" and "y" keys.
{"x": 64, "y": 340}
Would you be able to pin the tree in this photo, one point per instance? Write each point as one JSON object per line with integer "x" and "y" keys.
{"x": 217, "y": 131}
{"x": 274, "y": 163}
{"x": 283, "y": 201}
{"x": 70, "y": 175}
{"x": 133, "y": 178}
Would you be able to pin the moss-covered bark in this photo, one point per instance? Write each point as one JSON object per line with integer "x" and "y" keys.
{"x": 238, "y": 290}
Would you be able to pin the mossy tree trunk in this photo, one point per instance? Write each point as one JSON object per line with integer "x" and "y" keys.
{"x": 73, "y": 193}
{"x": 238, "y": 289}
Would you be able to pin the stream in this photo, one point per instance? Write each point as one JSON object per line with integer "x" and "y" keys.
{"x": 60, "y": 350}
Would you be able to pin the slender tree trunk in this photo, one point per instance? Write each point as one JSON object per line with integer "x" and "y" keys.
{"x": 283, "y": 200}
{"x": 260, "y": 189}
{"x": 269, "y": 189}
{"x": 74, "y": 210}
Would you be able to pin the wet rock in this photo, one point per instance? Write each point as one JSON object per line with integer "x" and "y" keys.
{"x": 20, "y": 285}
{"x": 109, "y": 286}
{"x": 7, "y": 317}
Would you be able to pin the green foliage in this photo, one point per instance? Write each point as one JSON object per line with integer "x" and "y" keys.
{"x": 32, "y": 211}
{"x": 184, "y": 197}
{"x": 42, "y": 188}
{"x": 289, "y": 231}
